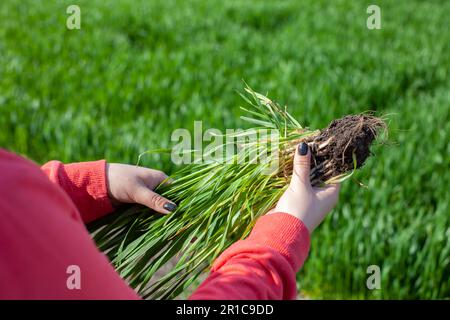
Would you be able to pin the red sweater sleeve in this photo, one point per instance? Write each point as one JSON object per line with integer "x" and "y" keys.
{"x": 85, "y": 183}
{"x": 263, "y": 266}
{"x": 42, "y": 236}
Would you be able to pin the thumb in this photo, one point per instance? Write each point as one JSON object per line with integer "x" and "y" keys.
{"x": 153, "y": 200}
{"x": 302, "y": 164}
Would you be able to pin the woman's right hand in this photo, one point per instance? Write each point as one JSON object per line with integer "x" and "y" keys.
{"x": 301, "y": 200}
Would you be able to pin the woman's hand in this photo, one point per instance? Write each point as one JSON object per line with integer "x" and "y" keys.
{"x": 301, "y": 200}
{"x": 133, "y": 184}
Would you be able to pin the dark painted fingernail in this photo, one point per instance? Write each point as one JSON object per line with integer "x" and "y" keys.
{"x": 302, "y": 149}
{"x": 169, "y": 206}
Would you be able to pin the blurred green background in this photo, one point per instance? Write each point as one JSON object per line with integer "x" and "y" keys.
{"x": 137, "y": 70}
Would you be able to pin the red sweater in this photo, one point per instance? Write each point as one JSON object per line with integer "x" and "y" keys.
{"x": 42, "y": 233}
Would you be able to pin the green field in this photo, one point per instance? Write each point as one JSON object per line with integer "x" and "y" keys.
{"x": 137, "y": 70}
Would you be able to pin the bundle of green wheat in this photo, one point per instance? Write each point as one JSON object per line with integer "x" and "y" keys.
{"x": 219, "y": 201}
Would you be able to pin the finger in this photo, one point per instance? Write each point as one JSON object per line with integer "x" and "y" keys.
{"x": 154, "y": 178}
{"x": 165, "y": 182}
{"x": 162, "y": 178}
{"x": 302, "y": 164}
{"x": 154, "y": 201}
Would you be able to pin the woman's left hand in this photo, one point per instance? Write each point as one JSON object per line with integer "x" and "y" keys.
{"x": 133, "y": 184}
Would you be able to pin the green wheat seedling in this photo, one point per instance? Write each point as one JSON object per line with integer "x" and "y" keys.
{"x": 219, "y": 201}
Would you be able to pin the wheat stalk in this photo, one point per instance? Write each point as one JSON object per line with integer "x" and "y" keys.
{"x": 218, "y": 204}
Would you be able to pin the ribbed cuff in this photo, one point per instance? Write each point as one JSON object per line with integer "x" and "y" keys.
{"x": 86, "y": 184}
{"x": 284, "y": 233}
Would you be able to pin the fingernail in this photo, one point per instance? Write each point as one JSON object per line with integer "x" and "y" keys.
{"x": 302, "y": 149}
{"x": 169, "y": 206}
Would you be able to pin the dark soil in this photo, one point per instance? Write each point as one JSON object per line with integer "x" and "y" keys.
{"x": 333, "y": 148}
